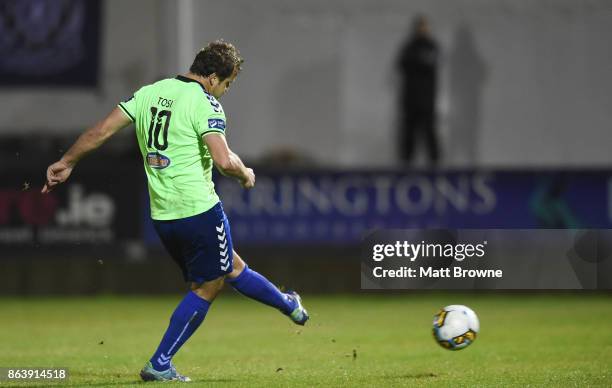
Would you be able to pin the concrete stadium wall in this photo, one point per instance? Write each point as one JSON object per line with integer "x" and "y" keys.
{"x": 522, "y": 83}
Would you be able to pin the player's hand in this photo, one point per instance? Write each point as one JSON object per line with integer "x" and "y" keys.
{"x": 57, "y": 173}
{"x": 248, "y": 181}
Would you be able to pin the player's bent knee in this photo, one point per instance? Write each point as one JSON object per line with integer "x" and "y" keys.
{"x": 208, "y": 290}
{"x": 238, "y": 267}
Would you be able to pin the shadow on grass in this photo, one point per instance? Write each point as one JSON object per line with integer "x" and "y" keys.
{"x": 125, "y": 383}
{"x": 409, "y": 376}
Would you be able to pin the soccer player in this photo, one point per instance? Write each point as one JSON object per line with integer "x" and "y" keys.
{"x": 180, "y": 126}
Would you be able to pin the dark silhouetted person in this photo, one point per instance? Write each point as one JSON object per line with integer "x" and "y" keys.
{"x": 418, "y": 67}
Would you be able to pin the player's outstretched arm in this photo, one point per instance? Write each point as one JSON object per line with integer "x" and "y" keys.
{"x": 227, "y": 162}
{"x": 91, "y": 139}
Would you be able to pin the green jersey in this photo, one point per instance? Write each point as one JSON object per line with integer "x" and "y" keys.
{"x": 171, "y": 116}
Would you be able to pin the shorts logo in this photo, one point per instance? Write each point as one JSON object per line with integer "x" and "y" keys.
{"x": 223, "y": 247}
{"x": 216, "y": 123}
{"x": 157, "y": 160}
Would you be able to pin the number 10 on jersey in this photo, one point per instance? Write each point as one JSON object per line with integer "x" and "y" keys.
{"x": 158, "y": 119}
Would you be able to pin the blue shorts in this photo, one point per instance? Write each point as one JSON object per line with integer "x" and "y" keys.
{"x": 201, "y": 245}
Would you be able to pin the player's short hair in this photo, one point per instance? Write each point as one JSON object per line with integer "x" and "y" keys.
{"x": 219, "y": 57}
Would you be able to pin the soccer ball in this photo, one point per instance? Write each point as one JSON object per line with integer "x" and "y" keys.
{"x": 455, "y": 327}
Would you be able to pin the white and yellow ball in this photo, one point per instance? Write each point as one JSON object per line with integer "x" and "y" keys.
{"x": 455, "y": 327}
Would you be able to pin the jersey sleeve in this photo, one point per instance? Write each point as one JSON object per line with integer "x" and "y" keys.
{"x": 128, "y": 106}
{"x": 208, "y": 115}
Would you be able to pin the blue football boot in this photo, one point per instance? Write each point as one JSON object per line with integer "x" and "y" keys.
{"x": 148, "y": 373}
{"x": 299, "y": 315}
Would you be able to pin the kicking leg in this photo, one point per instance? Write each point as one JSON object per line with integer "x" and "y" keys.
{"x": 185, "y": 320}
{"x": 255, "y": 286}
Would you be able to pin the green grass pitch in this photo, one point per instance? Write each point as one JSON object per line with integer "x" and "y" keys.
{"x": 374, "y": 340}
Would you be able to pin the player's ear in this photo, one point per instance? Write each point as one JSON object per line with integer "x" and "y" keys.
{"x": 214, "y": 79}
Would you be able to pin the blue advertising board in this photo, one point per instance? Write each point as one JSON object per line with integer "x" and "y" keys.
{"x": 49, "y": 43}
{"x": 340, "y": 207}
